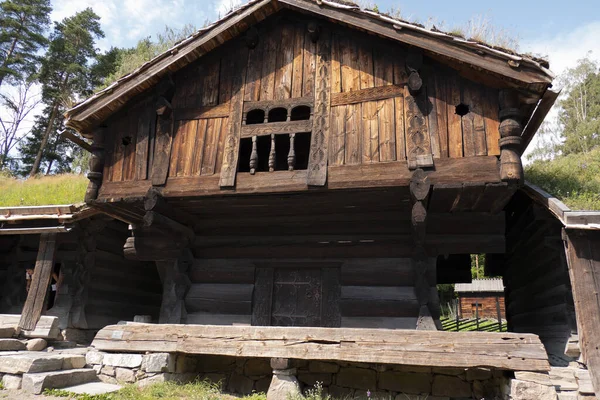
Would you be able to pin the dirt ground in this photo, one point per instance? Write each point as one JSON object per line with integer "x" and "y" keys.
{"x": 21, "y": 395}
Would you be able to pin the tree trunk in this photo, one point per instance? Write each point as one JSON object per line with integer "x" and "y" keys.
{"x": 10, "y": 51}
{"x": 38, "y": 157}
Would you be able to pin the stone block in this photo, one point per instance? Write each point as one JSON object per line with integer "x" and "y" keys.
{"x": 448, "y": 371}
{"x": 93, "y": 388}
{"x": 107, "y": 379}
{"x": 158, "y": 362}
{"x": 73, "y": 361}
{"x": 94, "y": 357}
{"x": 311, "y": 379}
{"x": 124, "y": 375}
{"x": 97, "y": 368}
{"x": 563, "y": 379}
{"x": 12, "y": 345}
{"x": 36, "y": 344}
{"x": 240, "y": 384}
{"x": 108, "y": 370}
{"x": 288, "y": 372}
{"x": 21, "y": 363}
{"x": 6, "y": 332}
{"x": 123, "y": 360}
{"x": 12, "y": 382}
{"x": 258, "y": 367}
{"x": 185, "y": 363}
{"x": 158, "y": 378}
{"x": 568, "y": 396}
{"x": 584, "y": 381}
{"x": 357, "y": 378}
{"x": 262, "y": 385}
{"x": 451, "y": 386}
{"x": 283, "y": 387}
{"x": 323, "y": 367}
{"x": 209, "y": 363}
{"x": 405, "y": 382}
{"x": 536, "y": 377}
{"x": 478, "y": 374}
{"x": 523, "y": 390}
{"x": 36, "y": 383}
{"x": 280, "y": 363}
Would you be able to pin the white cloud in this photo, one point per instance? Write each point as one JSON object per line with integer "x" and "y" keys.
{"x": 224, "y": 6}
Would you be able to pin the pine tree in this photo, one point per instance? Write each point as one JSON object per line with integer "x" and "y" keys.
{"x": 22, "y": 27}
{"x": 66, "y": 75}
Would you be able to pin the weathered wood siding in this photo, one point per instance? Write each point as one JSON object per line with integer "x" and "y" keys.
{"x": 373, "y": 292}
{"x": 368, "y": 104}
{"x": 536, "y": 278}
{"x": 488, "y": 305}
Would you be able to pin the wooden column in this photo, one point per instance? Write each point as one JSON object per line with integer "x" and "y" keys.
{"x": 423, "y": 266}
{"x": 42, "y": 274}
{"x": 164, "y": 131}
{"x": 96, "y": 165}
{"x": 176, "y": 284}
{"x": 511, "y": 168}
{"x": 583, "y": 256}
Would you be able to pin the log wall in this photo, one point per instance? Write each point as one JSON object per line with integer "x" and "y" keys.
{"x": 374, "y": 293}
{"x": 368, "y": 104}
{"x": 536, "y": 277}
{"x": 488, "y": 304}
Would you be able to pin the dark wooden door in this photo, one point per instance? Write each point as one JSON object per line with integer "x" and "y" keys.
{"x": 296, "y": 296}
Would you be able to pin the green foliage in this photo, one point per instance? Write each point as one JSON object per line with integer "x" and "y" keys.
{"x": 477, "y": 266}
{"x": 22, "y": 27}
{"x": 199, "y": 390}
{"x": 314, "y": 393}
{"x": 580, "y": 110}
{"x": 56, "y": 189}
{"x": 574, "y": 179}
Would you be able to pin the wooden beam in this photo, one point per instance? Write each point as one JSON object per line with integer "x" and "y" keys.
{"x": 77, "y": 140}
{"x": 276, "y": 127}
{"x": 508, "y": 351}
{"x": 219, "y": 111}
{"x": 34, "y": 305}
{"x": 583, "y": 257}
{"x": 538, "y": 116}
{"x": 363, "y": 95}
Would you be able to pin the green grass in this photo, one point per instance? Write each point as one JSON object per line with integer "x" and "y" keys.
{"x": 200, "y": 390}
{"x": 39, "y": 191}
{"x": 574, "y": 179}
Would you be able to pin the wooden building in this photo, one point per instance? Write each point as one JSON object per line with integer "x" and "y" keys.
{"x": 309, "y": 163}
{"x": 482, "y": 298}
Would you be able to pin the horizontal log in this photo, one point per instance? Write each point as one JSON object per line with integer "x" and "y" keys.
{"x": 382, "y": 272}
{"x": 222, "y": 271}
{"x": 509, "y": 351}
{"x": 379, "y": 308}
{"x": 218, "y": 319}
{"x": 277, "y": 128}
{"x": 400, "y": 293}
{"x": 370, "y": 94}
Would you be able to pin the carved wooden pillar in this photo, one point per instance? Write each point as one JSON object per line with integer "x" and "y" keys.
{"x": 176, "y": 284}
{"x": 96, "y": 165}
{"x": 511, "y": 168}
{"x": 422, "y": 265}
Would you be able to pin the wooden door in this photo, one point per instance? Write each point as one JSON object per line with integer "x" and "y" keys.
{"x": 296, "y": 296}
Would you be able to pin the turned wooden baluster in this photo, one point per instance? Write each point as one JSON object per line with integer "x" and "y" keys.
{"x": 292, "y": 154}
{"x": 272, "y": 154}
{"x": 253, "y": 156}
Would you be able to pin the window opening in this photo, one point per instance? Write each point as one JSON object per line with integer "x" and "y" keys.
{"x": 278, "y": 115}
{"x": 255, "y": 117}
{"x": 300, "y": 113}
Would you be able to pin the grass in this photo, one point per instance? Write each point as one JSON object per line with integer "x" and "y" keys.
{"x": 38, "y": 191}
{"x": 200, "y": 390}
{"x": 574, "y": 179}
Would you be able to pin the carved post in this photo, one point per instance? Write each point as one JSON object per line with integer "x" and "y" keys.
{"x": 272, "y": 154}
{"x": 176, "y": 284}
{"x": 414, "y": 62}
{"x": 511, "y": 168}
{"x": 96, "y": 165}
{"x": 292, "y": 154}
{"x": 419, "y": 191}
{"x": 253, "y": 156}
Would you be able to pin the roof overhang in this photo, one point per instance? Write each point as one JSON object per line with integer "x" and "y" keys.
{"x": 526, "y": 73}
{"x": 42, "y": 219}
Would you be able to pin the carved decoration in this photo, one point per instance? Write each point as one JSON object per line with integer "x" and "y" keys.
{"x": 292, "y": 153}
{"x": 253, "y": 156}
{"x": 96, "y": 165}
{"x": 276, "y": 128}
{"x": 417, "y": 132}
{"x": 272, "y": 155}
{"x": 511, "y": 168}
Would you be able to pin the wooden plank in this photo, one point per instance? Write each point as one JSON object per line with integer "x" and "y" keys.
{"x": 491, "y": 118}
{"x": 309, "y": 65}
{"x": 232, "y": 142}
{"x": 222, "y": 271}
{"x": 317, "y": 163}
{"x": 455, "y": 136}
{"x": 220, "y": 148}
{"x": 186, "y": 154}
{"x": 432, "y": 348}
{"x": 220, "y": 298}
{"x": 400, "y": 80}
{"x": 473, "y": 97}
{"x": 285, "y": 62}
{"x": 198, "y": 154}
{"x": 162, "y": 151}
{"x": 330, "y": 304}
{"x": 368, "y": 94}
{"x": 225, "y": 79}
{"x": 42, "y": 274}
{"x": 202, "y": 318}
{"x": 210, "y": 80}
{"x": 213, "y": 133}
{"x": 179, "y": 133}
{"x": 46, "y": 327}
{"x": 350, "y": 83}
{"x": 252, "y": 89}
{"x": 370, "y": 132}
{"x": 276, "y": 128}
{"x": 336, "y": 63}
{"x": 118, "y": 153}
{"x": 378, "y": 292}
{"x": 445, "y": 197}
{"x": 142, "y": 143}
{"x": 379, "y": 308}
{"x": 467, "y": 122}
{"x": 129, "y": 144}
{"x": 353, "y": 124}
{"x": 382, "y": 272}
{"x": 262, "y": 297}
{"x": 269, "y": 66}
{"x": 583, "y": 257}
{"x": 337, "y": 132}
{"x": 418, "y": 141}
{"x": 435, "y": 131}
{"x": 298, "y": 62}
{"x": 221, "y": 110}
{"x": 440, "y": 108}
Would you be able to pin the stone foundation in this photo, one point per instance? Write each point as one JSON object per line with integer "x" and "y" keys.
{"x": 341, "y": 379}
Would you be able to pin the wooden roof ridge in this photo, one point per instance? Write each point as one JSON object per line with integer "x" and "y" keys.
{"x": 521, "y": 68}
{"x": 571, "y": 219}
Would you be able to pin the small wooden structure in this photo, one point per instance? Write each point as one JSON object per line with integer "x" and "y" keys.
{"x": 482, "y": 298}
